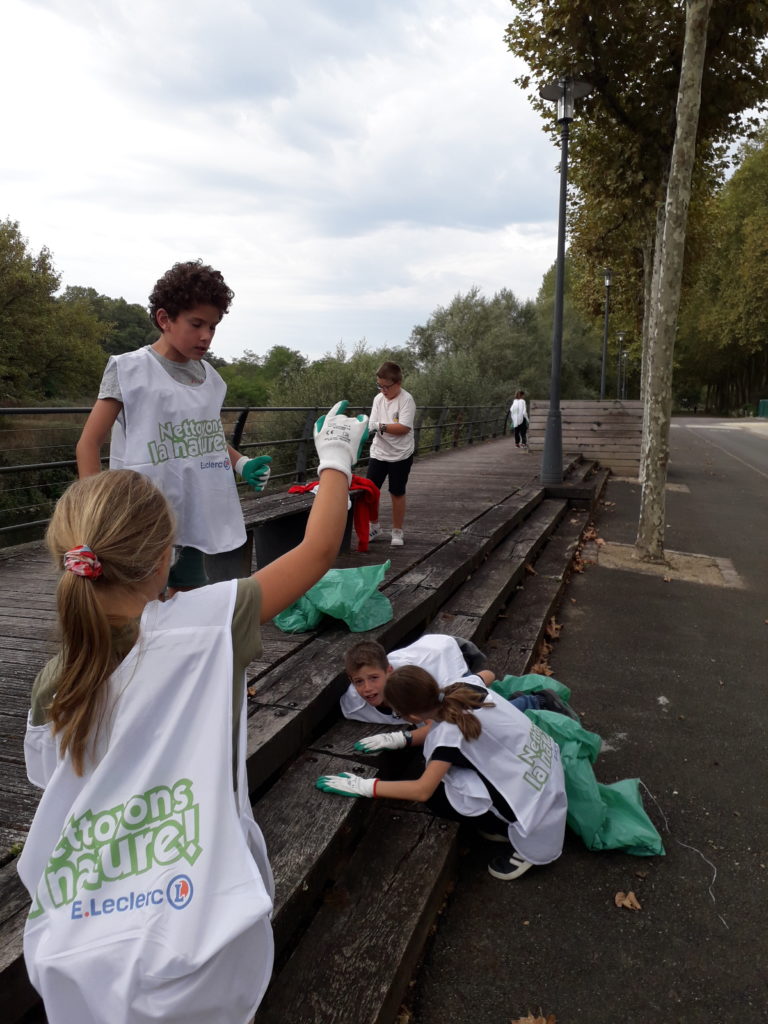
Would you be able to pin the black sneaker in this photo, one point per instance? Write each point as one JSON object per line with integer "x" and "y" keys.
{"x": 508, "y": 866}
{"x": 551, "y": 702}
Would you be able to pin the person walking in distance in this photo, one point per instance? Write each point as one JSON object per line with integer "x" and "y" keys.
{"x": 391, "y": 426}
{"x": 518, "y": 415}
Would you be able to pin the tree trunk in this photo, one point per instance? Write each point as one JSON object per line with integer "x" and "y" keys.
{"x": 649, "y": 326}
{"x": 655, "y": 456}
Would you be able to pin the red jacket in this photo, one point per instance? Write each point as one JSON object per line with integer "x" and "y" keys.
{"x": 365, "y": 509}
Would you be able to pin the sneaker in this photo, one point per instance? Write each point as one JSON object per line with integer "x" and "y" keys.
{"x": 373, "y": 531}
{"x": 551, "y": 702}
{"x": 397, "y": 539}
{"x": 508, "y": 866}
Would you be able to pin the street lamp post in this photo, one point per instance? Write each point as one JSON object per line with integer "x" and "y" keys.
{"x": 621, "y": 335}
{"x": 564, "y": 91}
{"x": 605, "y": 331}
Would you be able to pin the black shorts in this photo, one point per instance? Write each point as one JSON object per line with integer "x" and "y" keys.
{"x": 397, "y": 472}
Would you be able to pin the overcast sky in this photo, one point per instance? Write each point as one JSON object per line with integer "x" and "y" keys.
{"x": 348, "y": 165}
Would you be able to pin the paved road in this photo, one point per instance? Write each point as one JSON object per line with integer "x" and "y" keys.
{"x": 672, "y": 674}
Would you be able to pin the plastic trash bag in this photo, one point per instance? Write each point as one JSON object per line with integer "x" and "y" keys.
{"x": 606, "y": 817}
{"x": 529, "y": 684}
{"x": 351, "y": 595}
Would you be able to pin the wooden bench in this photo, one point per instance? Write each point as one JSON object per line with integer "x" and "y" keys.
{"x": 609, "y": 432}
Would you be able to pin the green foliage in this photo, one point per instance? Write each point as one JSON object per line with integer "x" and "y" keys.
{"x": 479, "y": 351}
{"x": 723, "y": 341}
{"x": 51, "y": 347}
{"x": 129, "y": 326}
{"x": 251, "y": 377}
{"x": 622, "y": 137}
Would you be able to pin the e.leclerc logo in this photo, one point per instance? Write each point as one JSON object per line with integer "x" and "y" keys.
{"x": 178, "y": 894}
{"x": 179, "y": 891}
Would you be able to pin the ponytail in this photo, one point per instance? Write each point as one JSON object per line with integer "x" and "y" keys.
{"x": 413, "y": 691}
{"x": 128, "y": 527}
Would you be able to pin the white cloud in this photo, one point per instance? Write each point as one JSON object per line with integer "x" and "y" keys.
{"x": 348, "y": 166}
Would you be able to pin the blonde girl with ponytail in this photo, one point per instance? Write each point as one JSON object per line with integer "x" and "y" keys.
{"x": 486, "y": 764}
{"x": 150, "y": 883}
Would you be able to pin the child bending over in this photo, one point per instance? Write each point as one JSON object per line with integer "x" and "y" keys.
{"x": 486, "y": 763}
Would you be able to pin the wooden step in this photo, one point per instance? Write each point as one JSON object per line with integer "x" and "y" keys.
{"x": 473, "y": 609}
{"x": 354, "y": 962}
{"x": 514, "y": 641}
{"x": 290, "y": 702}
{"x": 18, "y": 996}
{"x": 308, "y": 836}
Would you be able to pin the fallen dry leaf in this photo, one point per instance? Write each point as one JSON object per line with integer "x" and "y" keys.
{"x": 530, "y": 1019}
{"x": 667, "y": 579}
{"x": 530, "y": 569}
{"x": 600, "y": 542}
{"x": 553, "y": 628}
{"x": 627, "y": 899}
{"x": 541, "y": 668}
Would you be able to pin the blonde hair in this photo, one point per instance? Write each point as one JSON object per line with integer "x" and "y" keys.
{"x": 411, "y": 690}
{"x": 128, "y": 524}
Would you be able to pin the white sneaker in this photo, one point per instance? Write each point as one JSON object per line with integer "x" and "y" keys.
{"x": 373, "y": 531}
{"x": 397, "y": 539}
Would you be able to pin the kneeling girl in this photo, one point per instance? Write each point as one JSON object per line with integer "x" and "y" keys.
{"x": 486, "y": 763}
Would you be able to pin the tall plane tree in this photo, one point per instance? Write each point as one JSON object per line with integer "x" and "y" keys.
{"x": 622, "y": 143}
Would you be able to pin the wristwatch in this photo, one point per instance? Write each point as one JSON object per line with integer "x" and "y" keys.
{"x": 382, "y": 428}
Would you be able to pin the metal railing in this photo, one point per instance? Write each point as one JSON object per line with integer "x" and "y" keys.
{"x": 37, "y": 449}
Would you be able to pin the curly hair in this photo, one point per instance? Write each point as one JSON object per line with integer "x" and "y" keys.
{"x": 187, "y": 285}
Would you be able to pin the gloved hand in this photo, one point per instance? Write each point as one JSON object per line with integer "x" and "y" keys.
{"x": 373, "y": 428}
{"x": 382, "y": 741}
{"x": 255, "y": 472}
{"x": 339, "y": 439}
{"x": 347, "y": 785}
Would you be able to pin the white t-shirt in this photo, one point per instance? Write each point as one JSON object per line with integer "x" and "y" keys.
{"x": 400, "y": 409}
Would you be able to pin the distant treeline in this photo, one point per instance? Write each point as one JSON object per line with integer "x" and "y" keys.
{"x": 477, "y": 350}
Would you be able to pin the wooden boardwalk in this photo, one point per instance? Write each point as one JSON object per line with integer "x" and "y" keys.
{"x": 446, "y": 493}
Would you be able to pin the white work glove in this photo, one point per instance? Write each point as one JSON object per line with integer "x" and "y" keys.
{"x": 255, "y": 472}
{"x": 373, "y": 428}
{"x": 346, "y": 785}
{"x": 339, "y": 439}
{"x": 383, "y": 741}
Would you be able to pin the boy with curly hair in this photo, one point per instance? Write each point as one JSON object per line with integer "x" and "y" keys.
{"x": 163, "y": 405}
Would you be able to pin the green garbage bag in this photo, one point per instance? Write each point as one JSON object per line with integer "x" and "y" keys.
{"x": 351, "y": 595}
{"x": 606, "y": 817}
{"x": 529, "y": 684}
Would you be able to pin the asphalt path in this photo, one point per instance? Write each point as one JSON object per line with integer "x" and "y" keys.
{"x": 672, "y": 674}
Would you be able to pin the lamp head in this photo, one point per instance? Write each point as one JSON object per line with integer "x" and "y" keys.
{"x": 565, "y": 91}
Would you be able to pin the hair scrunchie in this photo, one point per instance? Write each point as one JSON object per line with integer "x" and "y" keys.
{"x": 440, "y": 697}
{"x": 82, "y": 562}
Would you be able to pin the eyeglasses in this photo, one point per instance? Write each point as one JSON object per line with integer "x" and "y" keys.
{"x": 386, "y": 387}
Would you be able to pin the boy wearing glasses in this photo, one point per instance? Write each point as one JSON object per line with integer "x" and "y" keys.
{"x": 391, "y": 426}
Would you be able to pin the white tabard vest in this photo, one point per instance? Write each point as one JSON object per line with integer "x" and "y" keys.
{"x": 522, "y": 763}
{"x": 151, "y": 890}
{"x": 173, "y": 435}
{"x": 438, "y": 654}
